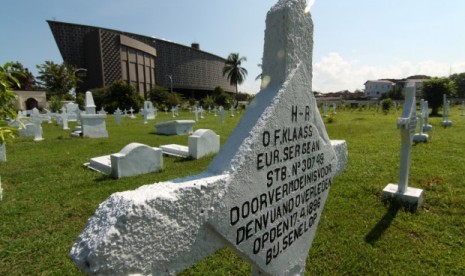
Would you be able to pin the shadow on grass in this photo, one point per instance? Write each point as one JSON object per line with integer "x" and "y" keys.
{"x": 381, "y": 227}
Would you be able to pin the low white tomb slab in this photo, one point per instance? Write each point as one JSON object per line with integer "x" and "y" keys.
{"x": 175, "y": 127}
{"x": 201, "y": 143}
{"x": 133, "y": 159}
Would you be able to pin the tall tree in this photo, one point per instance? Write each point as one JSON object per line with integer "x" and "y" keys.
{"x": 7, "y": 101}
{"x": 25, "y": 78}
{"x": 433, "y": 91}
{"x": 459, "y": 80}
{"x": 57, "y": 79}
{"x": 235, "y": 73}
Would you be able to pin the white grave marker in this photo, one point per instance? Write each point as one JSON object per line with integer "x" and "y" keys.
{"x": 446, "y": 112}
{"x": 1, "y": 189}
{"x": 64, "y": 118}
{"x": 426, "y": 126}
{"x": 401, "y": 192}
{"x": 37, "y": 121}
{"x": 262, "y": 195}
{"x": 118, "y": 114}
{"x": 421, "y": 137}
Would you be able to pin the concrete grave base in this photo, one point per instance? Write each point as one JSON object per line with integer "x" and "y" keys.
{"x": 412, "y": 198}
{"x": 420, "y": 138}
{"x": 427, "y": 128}
{"x": 175, "y": 150}
{"x": 446, "y": 123}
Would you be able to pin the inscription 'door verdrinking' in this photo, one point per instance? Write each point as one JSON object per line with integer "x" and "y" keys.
{"x": 294, "y": 176}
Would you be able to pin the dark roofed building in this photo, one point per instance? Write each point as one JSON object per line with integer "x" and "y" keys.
{"x": 110, "y": 55}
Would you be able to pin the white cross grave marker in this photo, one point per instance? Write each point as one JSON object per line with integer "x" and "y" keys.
{"x": 401, "y": 192}
{"x": 262, "y": 195}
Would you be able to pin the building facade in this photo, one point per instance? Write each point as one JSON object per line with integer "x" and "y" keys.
{"x": 376, "y": 88}
{"x": 109, "y": 55}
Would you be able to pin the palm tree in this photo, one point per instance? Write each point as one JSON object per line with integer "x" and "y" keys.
{"x": 236, "y": 73}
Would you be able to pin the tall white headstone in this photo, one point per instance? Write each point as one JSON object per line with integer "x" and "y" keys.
{"x": 262, "y": 195}
{"x": 446, "y": 112}
{"x": 421, "y": 137}
{"x": 401, "y": 192}
{"x": 37, "y": 121}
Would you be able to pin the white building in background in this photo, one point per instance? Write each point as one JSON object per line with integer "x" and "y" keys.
{"x": 376, "y": 88}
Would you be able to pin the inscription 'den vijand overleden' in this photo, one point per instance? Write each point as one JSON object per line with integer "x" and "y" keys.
{"x": 262, "y": 195}
{"x": 296, "y": 175}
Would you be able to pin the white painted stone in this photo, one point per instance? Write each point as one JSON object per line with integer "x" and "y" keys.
{"x": 175, "y": 150}
{"x": 421, "y": 137}
{"x": 27, "y": 131}
{"x": 118, "y": 114}
{"x": 203, "y": 142}
{"x": 162, "y": 229}
{"x": 407, "y": 124}
{"x": 446, "y": 112}
{"x": 133, "y": 159}
{"x": 175, "y": 127}
{"x": 148, "y": 107}
{"x": 93, "y": 125}
{"x": 1, "y": 189}
{"x": 37, "y": 121}
{"x": 426, "y": 125}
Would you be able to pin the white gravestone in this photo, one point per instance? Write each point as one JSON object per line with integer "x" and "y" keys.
{"x": 446, "y": 112}
{"x": 401, "y": 192}
{"x": 334, "y": 108}
{"x": 64, "y": 118}
{"x": 196, "y": 113}
{"x": 222, "y": 114}
{"x": 37, "y": 121}
{"x": 1, "y": 189}
{"x": 426, "y": 125}
{"x": 421, "y": 137}
{"x": 262, "y": 195}
{"x": 102, "y": 111}
{"x": 133, "y": 159}
{"x": 118, "y": 115}
{"x": 148, "y": 107}
{"x": 92, "y": 124}
{"x": 201, "y": 143}
{"x": 132, "y": 116}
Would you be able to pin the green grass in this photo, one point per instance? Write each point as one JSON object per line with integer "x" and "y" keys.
{"x": 49, "y": 195}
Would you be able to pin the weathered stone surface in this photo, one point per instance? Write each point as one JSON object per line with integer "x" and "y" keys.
{"x": 262, "y": 195}
{"x": 175, "y": 127}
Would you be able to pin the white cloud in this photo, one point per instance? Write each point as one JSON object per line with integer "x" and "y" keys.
{"x": 334, "y": 73}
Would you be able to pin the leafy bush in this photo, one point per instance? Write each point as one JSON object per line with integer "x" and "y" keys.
{"x": 161, "y": 97}
{"x": 386, "y": 105}
{"x": 118, "y": 95}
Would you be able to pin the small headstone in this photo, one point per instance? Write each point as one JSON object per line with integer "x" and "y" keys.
{"x": 421, "y": 137}
{"x": 426, "y": 126}
{"x": 446, "y": 112}
{"x": 118, "y": 114}
{"x": 64, "y": 118}
{"x": 166, "y": 110}
{"x": 132, "y": 116}
{"x": 201, "y": 143}
{"x": 173, "y": 111}
{"x": 196, "y": 113}
{"x": 102, "y": 111}
{"x": 37, "y": 120}
{"x": 222, "y": 114}
{"x": 215, "y": 110}
{"x": 231, "y": 109}
{"x": 334, "y": 108}
{"x": 202, "y": 111}
{"x": 150, "y": 110}
{"x": 401, "y": 192}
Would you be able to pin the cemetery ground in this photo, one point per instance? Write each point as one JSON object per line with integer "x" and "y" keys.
{"x": 49, "y": 195}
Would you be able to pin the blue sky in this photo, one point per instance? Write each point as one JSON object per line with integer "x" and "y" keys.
{"x": 354, "y": 40}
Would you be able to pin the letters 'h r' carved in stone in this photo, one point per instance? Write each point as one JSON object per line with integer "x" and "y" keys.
{"x": 262, "y": 195}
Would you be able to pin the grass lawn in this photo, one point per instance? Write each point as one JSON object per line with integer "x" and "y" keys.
{"x": 49, "y": 195}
